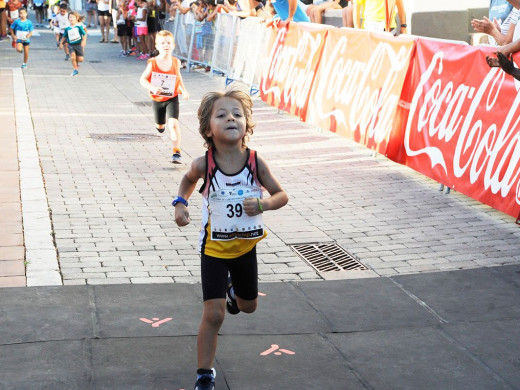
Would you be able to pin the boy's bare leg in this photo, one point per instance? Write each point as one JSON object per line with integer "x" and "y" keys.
{"x": 212, "y": 318}
{"x": 25, "y": 53}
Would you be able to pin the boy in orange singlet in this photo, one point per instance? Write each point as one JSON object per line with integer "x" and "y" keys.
{"x": 162, "y": 78}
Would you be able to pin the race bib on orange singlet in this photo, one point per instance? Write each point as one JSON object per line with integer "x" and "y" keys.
{"x": 14, "y": 14}
{"x": 165, "y": 81}
{"x": 228, "y": 218}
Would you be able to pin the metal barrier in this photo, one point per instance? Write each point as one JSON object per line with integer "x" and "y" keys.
{"x": 233, "y": 47}
{"x": 226, "y": 36}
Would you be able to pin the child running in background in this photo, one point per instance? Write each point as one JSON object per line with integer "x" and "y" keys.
{"x": 230, "y": 232}
{"x": 21, "y": 32}
{"x": 162, "y": 78}
{"x": 61, "y": 21}
{"x": 76, "y": 38}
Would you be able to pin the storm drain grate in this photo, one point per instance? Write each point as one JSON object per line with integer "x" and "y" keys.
{"x": 327, "y": 257}
{"x": 124, "y": 137}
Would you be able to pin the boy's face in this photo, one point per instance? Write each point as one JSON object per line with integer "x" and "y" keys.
{"x": 164, "y": 44}
{"x": 228, "y": 122}
{"x": 23, "y": 14}
{"x": 63, "y": 11}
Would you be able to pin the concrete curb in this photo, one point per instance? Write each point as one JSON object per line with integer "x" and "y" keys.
{"x": 40, "y": 252}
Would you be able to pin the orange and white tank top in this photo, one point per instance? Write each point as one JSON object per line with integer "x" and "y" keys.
{"x": 227, "y": 232}
{"x": 169, "y": 81}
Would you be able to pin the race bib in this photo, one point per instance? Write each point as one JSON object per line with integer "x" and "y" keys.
{"x": 14, "y": 14}
{"x": 74, "y": 34}
{"x": 228, "y": 218}
{"x": 22, "y": 35}
{"x": 165, "y": 81}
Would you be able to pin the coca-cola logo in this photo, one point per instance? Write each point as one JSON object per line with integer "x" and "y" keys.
{"x": 363, "y": 93}
{"x": 290, "y": 71}
{"x": 458, "y": 124}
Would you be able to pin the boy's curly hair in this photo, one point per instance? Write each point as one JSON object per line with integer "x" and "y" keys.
{"x": 206, "y": 108}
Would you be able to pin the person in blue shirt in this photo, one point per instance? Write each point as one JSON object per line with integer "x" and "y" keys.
{"x": 21, "y": 32}
{"x": 290, "y": 10}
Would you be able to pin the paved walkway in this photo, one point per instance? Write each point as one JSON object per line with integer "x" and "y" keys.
{"x": 93, "y": 188}
{"x": 108, "y": 198}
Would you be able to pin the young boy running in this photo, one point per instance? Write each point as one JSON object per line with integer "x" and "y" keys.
{"x": 21, "y": 32}
{"x": 76, "y": 38}
{"x": 231, "y": 217}
{"x": 162, "y": 78}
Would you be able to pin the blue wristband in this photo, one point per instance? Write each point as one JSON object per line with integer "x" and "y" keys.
{"x": 179, "y": 199}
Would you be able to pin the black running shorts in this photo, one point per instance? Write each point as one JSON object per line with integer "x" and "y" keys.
{"x": 166, "y": 109}
{"x": 244, "y": 276}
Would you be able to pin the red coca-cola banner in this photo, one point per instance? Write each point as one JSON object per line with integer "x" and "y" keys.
{"x": 358, "y": 85}
{"x": 293, "y": 60}
{"x": 459, "y": 123}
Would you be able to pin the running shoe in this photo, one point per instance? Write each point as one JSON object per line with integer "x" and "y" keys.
{"x": 176, "y": 158}
{"x": 161, "y": 130}
{"x": 142, "y": 57}
{"x": 205, "y": 382}
{"x": 231, "y": 303}
{"x": 67, "y": 57}
{"x": 74, "y": 72}
{"x": 24, "y": 65}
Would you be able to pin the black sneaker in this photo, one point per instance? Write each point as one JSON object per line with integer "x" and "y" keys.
{"x": 231, "y": 303}
{"x": 205, "y": 382}
{"x": 160, "y": 130}
{"x": 177, "y": 158}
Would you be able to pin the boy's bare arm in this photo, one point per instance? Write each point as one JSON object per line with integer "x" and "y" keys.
{"x": 186, "y": 188}
{"x": 278, "y": 197}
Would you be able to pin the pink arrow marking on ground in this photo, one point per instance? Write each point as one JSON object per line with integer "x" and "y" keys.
{"x": 155, "y": 321}
{"x": 277, "y": 351}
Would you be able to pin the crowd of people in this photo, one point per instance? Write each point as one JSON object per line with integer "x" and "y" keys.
{"x": 134, "y": 23}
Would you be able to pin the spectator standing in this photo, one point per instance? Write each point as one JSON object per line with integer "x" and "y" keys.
{"x": 3, "y": 20}
{"x": 103, "y": 7}
{"x": 141, "y": 29}
{"x": 379, "y": 15}
{"x": 124, "y": 27}
{"x": 39, "y": 12}
{"x": 114, "y": 6}
{"x": 316, "y": 10}
{"x": 500, "y": 25}
{"x": 152, "y": 21}
{"x": 91, "y": 6}
{"x": 290, "y": 10}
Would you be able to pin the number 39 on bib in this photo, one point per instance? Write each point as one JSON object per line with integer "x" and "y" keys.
{"x": 228, "y": 218}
